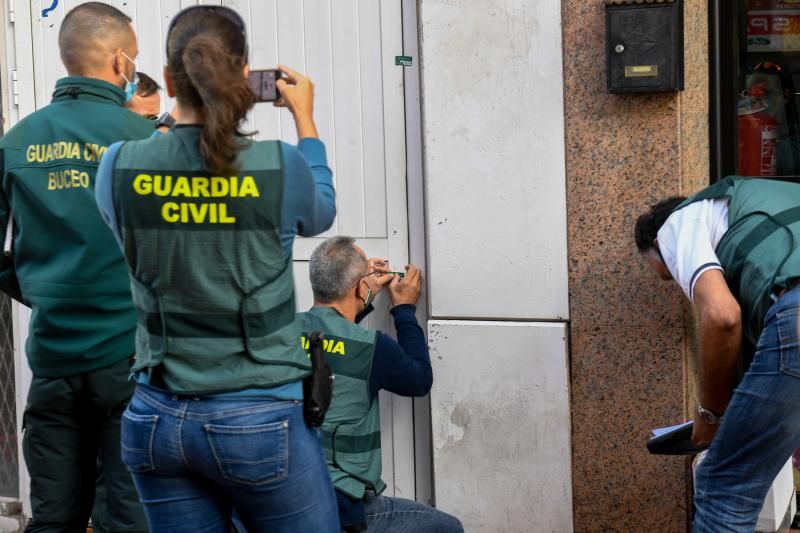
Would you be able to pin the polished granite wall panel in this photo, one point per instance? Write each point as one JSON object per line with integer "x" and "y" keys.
{"x": 629, "y": 334}
{"x": 694, "y": 100}
{"x": 695, "y": 149}
{"x": 623, "y": 376}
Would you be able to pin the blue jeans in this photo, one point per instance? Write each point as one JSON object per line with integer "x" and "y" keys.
{"x": 197, "y": 460}
{"x": 396, "y": 515}
{"x": 760, "y": 430}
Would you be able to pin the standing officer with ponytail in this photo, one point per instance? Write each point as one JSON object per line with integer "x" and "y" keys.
{"x": 206, "y": 220}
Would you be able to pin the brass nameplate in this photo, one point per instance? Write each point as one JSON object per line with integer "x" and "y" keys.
{"x": 642, "y": 71}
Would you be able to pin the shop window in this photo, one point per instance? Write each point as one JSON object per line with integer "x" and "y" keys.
{"x": 755, "y": 87}
{"x": 767, "y": 117}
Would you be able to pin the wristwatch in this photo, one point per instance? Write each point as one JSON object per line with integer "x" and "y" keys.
{"x": 708, "y": 416}
{"x": 165, "y": 120}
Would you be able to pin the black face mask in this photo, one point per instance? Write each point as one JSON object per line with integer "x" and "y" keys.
{"x": 368, "y": 300}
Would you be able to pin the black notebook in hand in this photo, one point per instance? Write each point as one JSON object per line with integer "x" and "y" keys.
{"x": 674, "y": 440}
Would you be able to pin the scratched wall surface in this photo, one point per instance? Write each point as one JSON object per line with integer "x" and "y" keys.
{"x": 492, "y": 95}
{"x": 501, "y": 426}
{"x": 494, "y": 139}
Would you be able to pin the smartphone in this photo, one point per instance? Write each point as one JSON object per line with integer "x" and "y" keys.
{"x": 264, "y": 85}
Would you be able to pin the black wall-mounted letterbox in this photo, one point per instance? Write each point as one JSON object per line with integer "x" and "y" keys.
{"x": 644, "y": 45}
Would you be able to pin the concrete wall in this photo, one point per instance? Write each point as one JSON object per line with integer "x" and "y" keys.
{"x": 501, "y": 424}
{"x": 492, "y": 87}
{"x": 494, "y": 156}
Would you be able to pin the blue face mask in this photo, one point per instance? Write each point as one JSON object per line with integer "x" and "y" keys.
{"x": 130, "y": 85}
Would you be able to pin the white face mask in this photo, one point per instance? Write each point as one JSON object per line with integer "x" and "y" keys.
{"x": 130, "y": 85}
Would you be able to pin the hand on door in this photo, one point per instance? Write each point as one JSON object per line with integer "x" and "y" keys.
{"x": 379, "y": 276}
{"x": 406, "y": 290}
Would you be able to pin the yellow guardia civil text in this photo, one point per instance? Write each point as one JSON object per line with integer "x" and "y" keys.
{"x": 63, "y": 150}
{"x": 188, "y": 212}
{"x": 332, "y": 346}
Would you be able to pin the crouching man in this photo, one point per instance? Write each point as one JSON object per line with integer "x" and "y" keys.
{"x": 365, "y": 362}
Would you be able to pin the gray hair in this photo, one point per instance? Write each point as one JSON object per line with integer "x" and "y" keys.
{"x": 334, "y": 268}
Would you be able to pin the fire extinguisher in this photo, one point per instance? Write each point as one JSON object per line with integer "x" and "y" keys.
{"x": 758, "y": 136}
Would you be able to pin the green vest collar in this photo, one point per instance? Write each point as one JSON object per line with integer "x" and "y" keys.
{"x": 326, "y": 310}
{"x": 90, "y": 89}
{"x": 192, "y": 131}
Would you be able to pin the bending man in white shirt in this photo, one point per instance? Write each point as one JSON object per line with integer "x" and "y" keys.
{"x": 734, "y": 249}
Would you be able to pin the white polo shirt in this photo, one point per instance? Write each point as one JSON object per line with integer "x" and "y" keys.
{"x": 688, "y": 238}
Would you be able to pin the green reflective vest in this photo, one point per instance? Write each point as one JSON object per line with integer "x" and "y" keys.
{"x": 212, "y": 288}
{"x": 67, "y": 263}
{"x": 351, "y": 433}
{"x": 761, "y": 249}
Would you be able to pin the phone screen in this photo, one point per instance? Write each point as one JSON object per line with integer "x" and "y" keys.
{"x": 263, "y": 84}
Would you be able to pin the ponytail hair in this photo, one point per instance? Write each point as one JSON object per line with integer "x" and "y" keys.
{"x": 206, "y": 63}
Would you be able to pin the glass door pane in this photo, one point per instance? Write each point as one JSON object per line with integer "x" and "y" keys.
{"x": 767, "y": 88}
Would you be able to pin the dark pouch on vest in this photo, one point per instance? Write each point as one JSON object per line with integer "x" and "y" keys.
{"x": 318, "y": 387}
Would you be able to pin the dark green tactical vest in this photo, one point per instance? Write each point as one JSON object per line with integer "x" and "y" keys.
{"x": 351, "y": 434}
{"x": 212, "y": 288}
{"x": 761, "y": 249}
{"x": 69, "y": 267}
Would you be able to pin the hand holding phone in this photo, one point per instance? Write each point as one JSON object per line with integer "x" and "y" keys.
{"x": 297, "y": 94}
{"x": 285, "y": 87}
